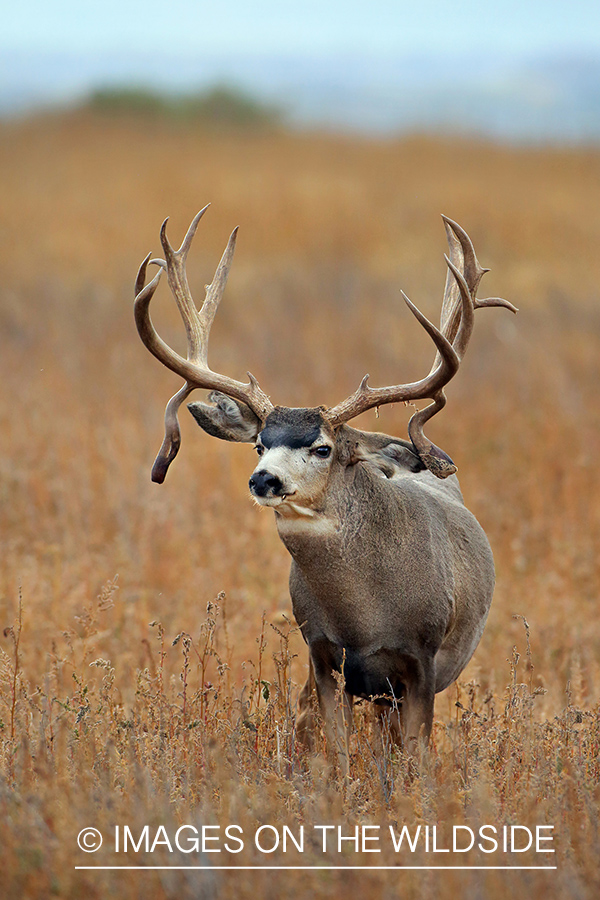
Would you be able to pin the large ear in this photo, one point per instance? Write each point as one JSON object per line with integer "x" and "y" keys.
{"x": 227, "y": 419}
{"x": 391, "y": 455}
{"x": 402, "y": 455}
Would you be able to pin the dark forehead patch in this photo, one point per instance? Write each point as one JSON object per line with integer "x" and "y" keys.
{"x": 293, "y": 428}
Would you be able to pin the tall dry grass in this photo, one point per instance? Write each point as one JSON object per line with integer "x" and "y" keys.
{"x": 143, "y": 700}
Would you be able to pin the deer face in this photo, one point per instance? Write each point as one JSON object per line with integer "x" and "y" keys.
{"x": 296, "y": 449}
{"x": 299, "y": 451}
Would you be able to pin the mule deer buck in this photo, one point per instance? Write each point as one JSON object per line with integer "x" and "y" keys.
{"x": 392, "y": 577}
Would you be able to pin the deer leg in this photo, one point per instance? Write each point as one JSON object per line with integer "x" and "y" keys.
{"x": 417, "y": 710}
{"x": 335, "y": 704}
{"x": 389, "y": 723}
{"x": 305, "y": 720}
{"x": 388, "y": 733}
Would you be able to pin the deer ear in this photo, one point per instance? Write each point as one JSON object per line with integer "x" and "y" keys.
{"x": 227, "y": 419}
{"x": 388, "y": 454}
{"x": 403, "y": 455}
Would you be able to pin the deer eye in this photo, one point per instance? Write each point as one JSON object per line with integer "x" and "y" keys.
{"x": 323, "y": 452}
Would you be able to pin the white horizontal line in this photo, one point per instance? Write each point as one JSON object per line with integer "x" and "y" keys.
{"x": 336, "y": 868}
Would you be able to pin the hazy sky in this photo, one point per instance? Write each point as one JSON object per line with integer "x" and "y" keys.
{"x": 301, "y": 27}
{"x": 502, "y": 67}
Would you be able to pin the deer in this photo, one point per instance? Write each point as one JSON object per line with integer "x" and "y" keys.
{"x": 391, "y": 577}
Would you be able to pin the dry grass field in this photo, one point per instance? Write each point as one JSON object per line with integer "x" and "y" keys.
{"x": 149, "y": 666}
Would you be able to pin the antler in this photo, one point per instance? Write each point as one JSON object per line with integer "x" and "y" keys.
{"x": 194, "y": 369}
{"x": 458, "y": 307}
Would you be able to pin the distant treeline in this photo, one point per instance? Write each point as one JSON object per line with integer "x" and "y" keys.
{"x": 220, "y": 106}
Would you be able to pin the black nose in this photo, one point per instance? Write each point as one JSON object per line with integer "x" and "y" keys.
{"x": 263, "y": 483}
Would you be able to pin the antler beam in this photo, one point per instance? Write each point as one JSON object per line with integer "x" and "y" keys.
{"x": 194, "y": 369}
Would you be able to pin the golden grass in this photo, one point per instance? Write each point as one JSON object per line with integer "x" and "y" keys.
{"x": 104, "y": 719}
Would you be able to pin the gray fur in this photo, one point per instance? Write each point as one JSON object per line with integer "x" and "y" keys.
{"x": 398, "y": 591}
{"x": 391, "y": 578}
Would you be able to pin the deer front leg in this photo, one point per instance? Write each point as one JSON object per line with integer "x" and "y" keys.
{"x": 305, "y": 720}
{"x": 409, "y": 721}
{"x": 389, "y": 723}
{"x": 335, "y": 704}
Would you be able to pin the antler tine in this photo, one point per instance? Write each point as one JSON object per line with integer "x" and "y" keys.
{"x": 473, "y": 272}
{"x": 189, "y": 235}
{"x": 145, "y": 327}
{"x": 140, "y": 279}
{"x": 214, "y": 291}
{"x": 172, "y": 439}
{"x": 436, "y": 460}
{"x": 194, "y": 369}
{"x": 177, "y": 278}
{"x": 463, "y": 256}
{"x": 495, "y": 301}
{"x": 466, "y": 318}
{"x": 365, "y": 397}
{"x": 449, "y": 358}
